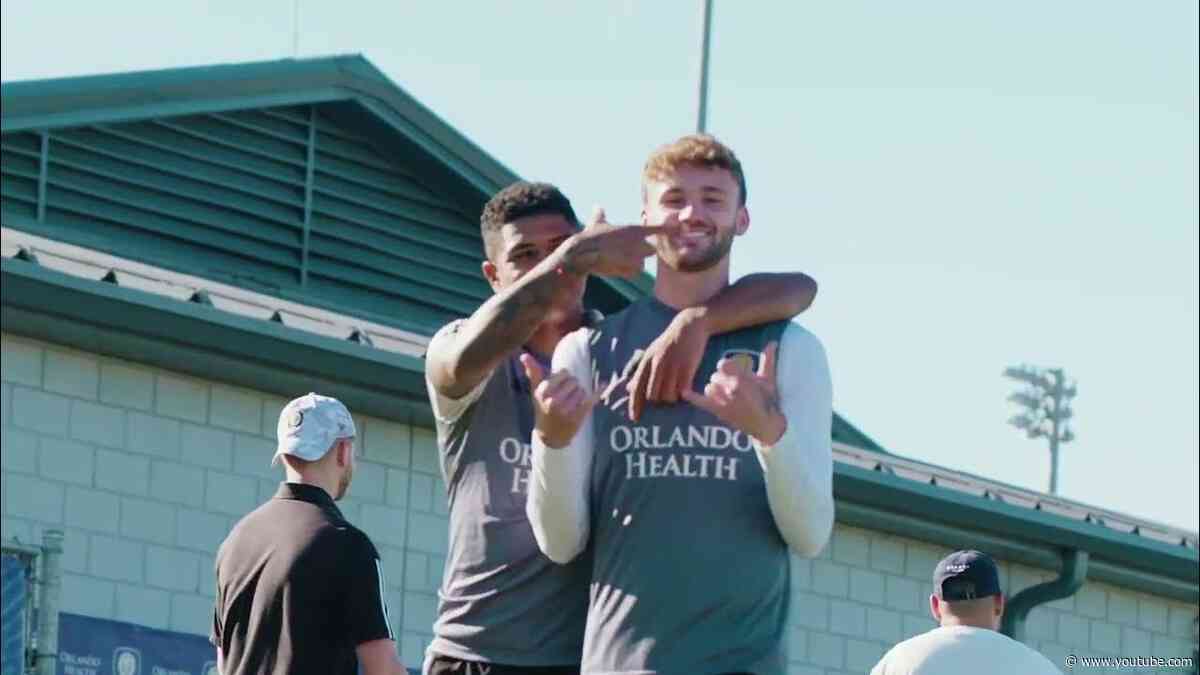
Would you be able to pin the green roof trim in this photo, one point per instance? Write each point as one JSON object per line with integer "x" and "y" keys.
{"x": 932, "y": 504}
{"x": 204, "y": 341}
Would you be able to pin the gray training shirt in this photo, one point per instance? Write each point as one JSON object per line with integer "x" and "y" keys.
{"x": 501, "y": 601}
{"x": 689, "y": 540}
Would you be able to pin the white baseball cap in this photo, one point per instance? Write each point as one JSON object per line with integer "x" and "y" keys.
{"x": 309, "y": 425}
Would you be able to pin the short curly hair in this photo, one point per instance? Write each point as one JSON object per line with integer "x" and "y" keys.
{"x": 520, "y": 200}
{"x": 695, "y": 150}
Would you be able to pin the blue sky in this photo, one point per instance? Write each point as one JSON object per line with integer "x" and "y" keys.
{"x": 973, "y": 184}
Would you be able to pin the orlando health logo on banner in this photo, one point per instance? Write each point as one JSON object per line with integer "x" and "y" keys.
{"x": 89, "y": 646}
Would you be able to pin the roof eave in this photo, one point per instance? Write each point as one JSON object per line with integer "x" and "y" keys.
{"x": 206, "y": 342}
{"x": 931, "y": 505}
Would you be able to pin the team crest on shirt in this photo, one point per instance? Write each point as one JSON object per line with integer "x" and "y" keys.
{"x": 745, "y": 358}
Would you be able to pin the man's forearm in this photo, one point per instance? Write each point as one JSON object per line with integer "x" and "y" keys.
{"x": 756, "y": 299}
{"x": 502, "y": 324}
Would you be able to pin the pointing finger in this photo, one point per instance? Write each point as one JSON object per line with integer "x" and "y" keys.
{"x": 666, "y": 228}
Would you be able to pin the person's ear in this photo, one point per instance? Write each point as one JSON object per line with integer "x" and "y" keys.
{"x": 491, "y": 273}
{"x": 935, "y": 607}
{"x": 742, "y": 221}
{"x": 999, "y": 605}
{"x": 344, "y": 452}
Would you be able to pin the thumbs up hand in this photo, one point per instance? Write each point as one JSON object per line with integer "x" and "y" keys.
{"x": 747, "y": 401}
{"x": 560, "y": 403}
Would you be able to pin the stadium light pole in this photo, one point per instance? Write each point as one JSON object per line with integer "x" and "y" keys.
{"x": 1046, "y": 402}
{"x": 702, "y": 93}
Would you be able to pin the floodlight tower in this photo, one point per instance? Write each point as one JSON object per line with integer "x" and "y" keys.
{"x": 1046, "y": 402}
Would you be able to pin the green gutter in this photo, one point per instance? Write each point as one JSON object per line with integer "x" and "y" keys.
{"x": 1070, "y": 579}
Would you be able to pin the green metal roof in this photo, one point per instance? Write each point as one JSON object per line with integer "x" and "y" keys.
{"x": 314, "y": 180}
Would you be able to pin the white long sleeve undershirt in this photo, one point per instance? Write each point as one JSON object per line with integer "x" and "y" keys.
{"x": 798, "y": 469}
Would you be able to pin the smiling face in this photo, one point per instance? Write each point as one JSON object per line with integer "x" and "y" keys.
{"x": 706, "y": 201}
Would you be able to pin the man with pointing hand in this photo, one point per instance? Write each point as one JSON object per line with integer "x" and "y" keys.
{"x": 690, "y": 509}
{"x": 504, "y": 608}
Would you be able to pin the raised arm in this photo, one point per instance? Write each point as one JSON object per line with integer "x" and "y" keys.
{"x": 459, "y": 360}
{"x": 562, "y": 452}
{"x": 670, "y": 362}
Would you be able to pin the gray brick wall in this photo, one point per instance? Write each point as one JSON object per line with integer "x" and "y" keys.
{"x": 147, "y": 470}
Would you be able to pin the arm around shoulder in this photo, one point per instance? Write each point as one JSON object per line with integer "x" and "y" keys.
{"x": 799, "y": 466}
{"x": 759, "y": 298}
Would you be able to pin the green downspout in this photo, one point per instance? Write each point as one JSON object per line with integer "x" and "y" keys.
{"x": 1070, "y": 579}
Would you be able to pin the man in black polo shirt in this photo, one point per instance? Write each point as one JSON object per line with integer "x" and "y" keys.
{"x": 299, "y": 589}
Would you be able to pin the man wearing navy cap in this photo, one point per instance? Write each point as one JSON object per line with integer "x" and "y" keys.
{"x": 299, "y": 589}
{"x": 967, "y": 603}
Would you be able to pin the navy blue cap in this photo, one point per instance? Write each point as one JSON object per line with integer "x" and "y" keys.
{"x": 966, "y": 575}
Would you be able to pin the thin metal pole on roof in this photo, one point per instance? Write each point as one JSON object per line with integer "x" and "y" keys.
{"x": 702, "y": 94}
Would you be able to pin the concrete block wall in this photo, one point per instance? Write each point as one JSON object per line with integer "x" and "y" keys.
{"x": 868, "y": 590}
{"x": 147, "y": 470}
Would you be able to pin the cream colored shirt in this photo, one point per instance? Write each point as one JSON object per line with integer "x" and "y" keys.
{"x": 963, "y": 650}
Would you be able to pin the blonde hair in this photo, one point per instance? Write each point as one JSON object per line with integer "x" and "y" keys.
{"x": 694, "y": 150}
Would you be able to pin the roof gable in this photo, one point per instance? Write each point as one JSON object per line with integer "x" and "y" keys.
{"x": 318, "y": 181}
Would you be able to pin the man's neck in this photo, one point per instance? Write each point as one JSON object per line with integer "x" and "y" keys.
{"x": 328, "y": 485}
{"x": 949, "y": 621}
{"x": 687, "y": 289}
